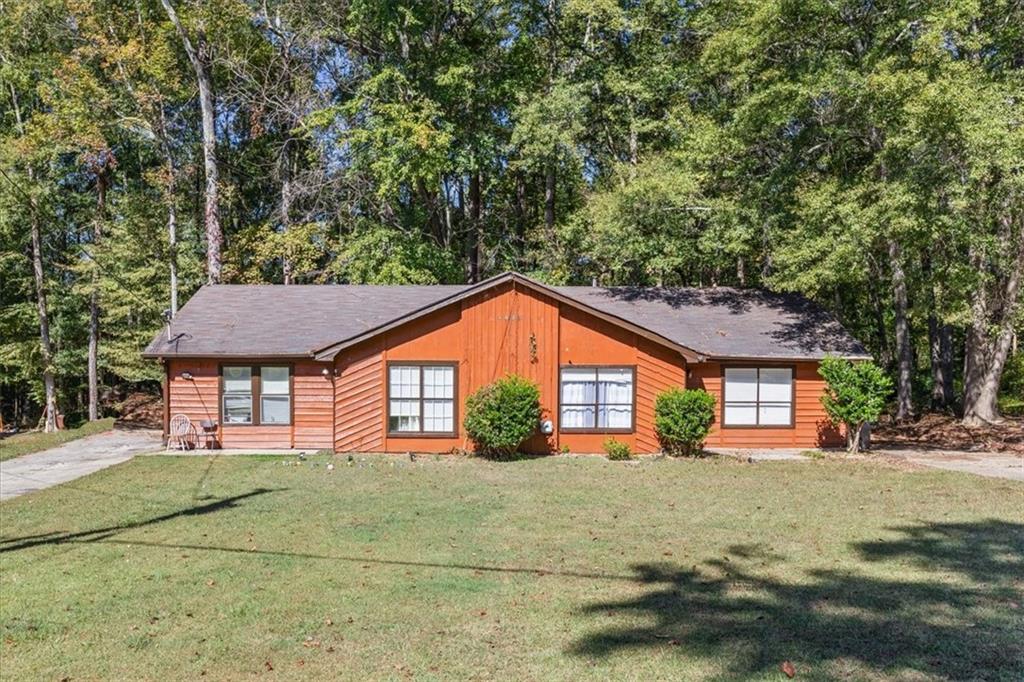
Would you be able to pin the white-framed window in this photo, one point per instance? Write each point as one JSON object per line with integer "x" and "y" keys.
{"x": 596, "y": 399}
{"x": 757, "y": 396}
{"x": 421, "y": 398}
{"x": 237, "y": 395}
{"x": 275, "y": 395}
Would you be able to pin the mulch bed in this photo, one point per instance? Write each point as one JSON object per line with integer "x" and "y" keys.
{"x": 943, "y": 432}
{"x": 141, "y": 411}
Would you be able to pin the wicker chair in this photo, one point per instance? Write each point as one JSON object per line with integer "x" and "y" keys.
{"x": 180, "y": 433}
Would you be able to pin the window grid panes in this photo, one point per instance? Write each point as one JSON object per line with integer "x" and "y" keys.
{"x": 758, "y": 396}
{"x": 267, "y": 388}
{"x": 421, "y": 399}
{"x": 596, "y": 398}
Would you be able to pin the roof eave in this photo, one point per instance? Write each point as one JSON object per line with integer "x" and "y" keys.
{"x": 783, "y": 358}
{"x": 228, "y": 356}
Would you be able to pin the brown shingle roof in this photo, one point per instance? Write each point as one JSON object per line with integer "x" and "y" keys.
{"x": 299, "y": 320}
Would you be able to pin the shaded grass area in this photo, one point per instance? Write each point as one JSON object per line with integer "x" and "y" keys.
{"x": 564, "y": 568}
{"x": 37, "y": 441}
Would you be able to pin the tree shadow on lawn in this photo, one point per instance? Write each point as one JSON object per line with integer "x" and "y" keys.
{"x": 963, "y": 623}
{"x": 96, "y": 534}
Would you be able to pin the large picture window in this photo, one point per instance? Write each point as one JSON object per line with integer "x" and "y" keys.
{"x": 758, "y": 396}
{"x": 596, "y": 399}
{"x": 256, "y": 395}
{"x": 421, "y": 399}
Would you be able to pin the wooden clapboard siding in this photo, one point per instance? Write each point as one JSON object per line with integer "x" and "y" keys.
{"x": 504, "y": 330}
{"x": 810, "y": 427}
{"x": 658, "y": 369}
{"x": 196, "y": 398}
{"x": 509, "y": 328}
{"x": 359, "y": 400}
{"x": 312, "y": 404}
{"x": 313, "y": 410}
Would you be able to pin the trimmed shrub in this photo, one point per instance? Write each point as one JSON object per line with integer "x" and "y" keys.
{"x": 500, "y": 416}
{"x": 682, "y": 419}
{"x": 855, "y": 394}
{"x": 617, "y": 450}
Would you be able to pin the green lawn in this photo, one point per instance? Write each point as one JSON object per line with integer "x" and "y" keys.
{"x": 35, "y": 441}
{"x": 564, "y": 568}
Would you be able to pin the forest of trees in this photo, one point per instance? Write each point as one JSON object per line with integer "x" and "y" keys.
{"x": 867, "y": 154}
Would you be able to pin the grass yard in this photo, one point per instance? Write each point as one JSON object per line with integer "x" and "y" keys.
{"x": 36, "y": 441}
{"x": 170, "y": 568}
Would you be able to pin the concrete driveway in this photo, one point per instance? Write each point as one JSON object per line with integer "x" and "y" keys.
{"x": 991, "y": 464}
{"x": 73, "y": 460}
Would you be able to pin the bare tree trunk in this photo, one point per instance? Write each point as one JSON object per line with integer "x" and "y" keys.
{"x": 172, "y": 237}
{"x": 904, "y": 355}
{"x": 940, "y": 345}
{"x": 549, "y": 197}
{"x": 473, "y": 229}
{"x": 986, "y": 352}
{"x": 198, "y": 57}
{"x": 102, "y": 178}
{"x": 49, "y": 384}
{"x": 286, "y": 205}
{"x": 940, "y": 341}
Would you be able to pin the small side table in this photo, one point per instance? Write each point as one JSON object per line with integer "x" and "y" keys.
{"x": 208, "y": 434}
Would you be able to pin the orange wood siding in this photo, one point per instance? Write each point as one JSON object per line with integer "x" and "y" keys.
{"x": 501, "y": 331}
{"x": 359, "y": 400}
{"x": 811, "y": 427}
{"x": 312, "y": 407}
{"x": 508, "y": 329}
{"x": 313, "y": 416}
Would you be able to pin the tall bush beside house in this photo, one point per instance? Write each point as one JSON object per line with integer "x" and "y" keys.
{"x": 683, "y": 419}
{"x": 502, "y": 415}
{"x": 855, "y": 394}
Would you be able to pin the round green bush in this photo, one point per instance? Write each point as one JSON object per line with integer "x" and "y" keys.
{"x": 682, "y": 419}
{"x": 500, "y": 416}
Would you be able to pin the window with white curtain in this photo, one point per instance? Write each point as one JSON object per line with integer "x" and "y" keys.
{"x": 758, "y": 396}
{"x": 421, "y": 399}
{"x": 237, "y": 395}
{"x": 596, "y": 399}
{"x": 256, "y": 395}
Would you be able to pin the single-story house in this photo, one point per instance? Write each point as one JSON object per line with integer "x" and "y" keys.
{"x": 360, "y": 368}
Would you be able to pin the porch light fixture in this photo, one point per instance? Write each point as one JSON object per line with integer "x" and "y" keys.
{"x": 326, "y": 372}
{"x": 187, "y": 376}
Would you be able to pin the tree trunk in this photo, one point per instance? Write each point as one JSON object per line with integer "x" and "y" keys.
{"x": 940, "y": 338}
{"x": 473, "y": 230}
{"x": 172, "y": 238}
{"x": 49, "y": 384}
{"x": 986, "y": 353}
{"x": 198, "y": 57}
{"x": 904, "y": 355}
{"x": 102, "y": 177}
{"x": 549, "y": 197}
{"x": 286, "y": 206}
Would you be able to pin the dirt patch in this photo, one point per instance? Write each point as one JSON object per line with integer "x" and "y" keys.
{"x": 141, "y": 411}
{"x": 942, "y": 432}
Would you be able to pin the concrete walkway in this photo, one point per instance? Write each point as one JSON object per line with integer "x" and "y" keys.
{"x": 72, "y": 460}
